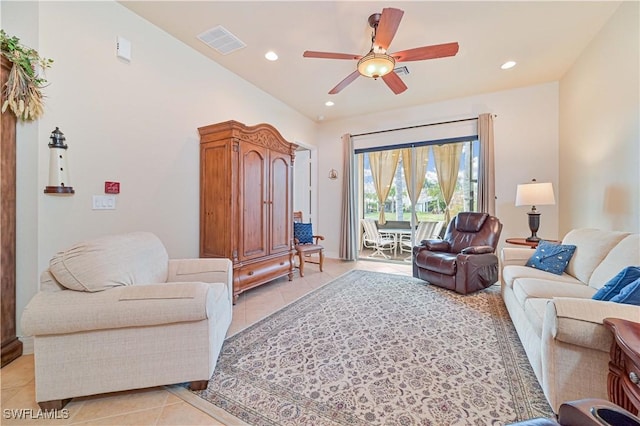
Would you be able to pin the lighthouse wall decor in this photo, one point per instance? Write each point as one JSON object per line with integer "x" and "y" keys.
{"x": 58, "y": 172}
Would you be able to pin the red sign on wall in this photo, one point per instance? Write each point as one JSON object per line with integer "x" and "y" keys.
{"x": 112, "y": 187}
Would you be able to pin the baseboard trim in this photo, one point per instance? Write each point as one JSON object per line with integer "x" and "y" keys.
{"x": 27, "y": 344}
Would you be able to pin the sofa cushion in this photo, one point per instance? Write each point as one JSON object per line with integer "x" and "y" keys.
{"x": 550, "y": 257}
{"x": 512, "y": 272}
{"x": 629, "y": 295}
{"x": 526, "y": 288}
{"x": 111, "y": 261}
{"x": 592, "y": 246}
{"x": 625, "y": 253}
{"x": 617, "y": 283}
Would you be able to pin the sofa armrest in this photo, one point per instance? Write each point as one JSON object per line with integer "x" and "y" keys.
{"x": 515, "y": 256}
{"x": 579, "y": 321}
{"x": 208, "y": 270}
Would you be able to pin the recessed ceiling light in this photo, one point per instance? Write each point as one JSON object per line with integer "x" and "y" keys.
{"x": 508, "y": 64}
{"x": 271, "y": 55}
{"x": 329, "y": 103}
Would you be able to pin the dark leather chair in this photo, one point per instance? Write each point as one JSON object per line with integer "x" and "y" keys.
{"x": 464, "y": 260}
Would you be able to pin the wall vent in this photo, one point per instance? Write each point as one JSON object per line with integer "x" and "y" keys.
{"x": 220, "y": 39}
{"x": 401, "y": 70}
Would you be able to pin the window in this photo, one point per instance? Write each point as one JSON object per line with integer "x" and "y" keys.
{"x": 432, "y": 201}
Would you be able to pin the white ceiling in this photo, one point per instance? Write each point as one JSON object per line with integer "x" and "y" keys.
{"x": 544, "y": 37}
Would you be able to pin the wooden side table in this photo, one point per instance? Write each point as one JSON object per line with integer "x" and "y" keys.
{"x": 623, "y": 382}
{"x": 524, "y": 242}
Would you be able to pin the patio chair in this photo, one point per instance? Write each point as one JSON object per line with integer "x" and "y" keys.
{"x": 426, "y": 230}
{"x": 306, "y": 244}
{"x": 372, "y": 238}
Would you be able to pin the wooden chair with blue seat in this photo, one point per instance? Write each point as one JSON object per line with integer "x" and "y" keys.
{"x": 305, "y": 243}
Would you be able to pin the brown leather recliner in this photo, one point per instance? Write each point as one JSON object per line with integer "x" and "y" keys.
{"x": 465, "y": 260}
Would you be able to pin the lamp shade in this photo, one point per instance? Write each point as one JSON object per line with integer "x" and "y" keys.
{"x": 535, "y": 194}
{"x": 376, "y": 65}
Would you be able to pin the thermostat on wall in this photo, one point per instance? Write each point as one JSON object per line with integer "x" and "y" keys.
{"x": 123, "y": 48}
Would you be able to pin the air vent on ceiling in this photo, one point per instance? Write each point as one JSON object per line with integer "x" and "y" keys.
{"x": 401, "y": 70}
{"x": 220, "y": 39}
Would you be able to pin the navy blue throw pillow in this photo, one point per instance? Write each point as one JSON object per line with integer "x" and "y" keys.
{"x": 617, "y": 283}
{"x": 550, "y": 257}
{"x": 629, "y": 295}
{"x": 303, "y": 232}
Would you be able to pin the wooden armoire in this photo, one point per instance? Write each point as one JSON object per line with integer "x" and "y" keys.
{"x": 246, "y": 201}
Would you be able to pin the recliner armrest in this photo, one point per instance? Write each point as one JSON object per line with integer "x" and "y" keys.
{"x": 436, "y": 245}
{"x": 477, "y": 250}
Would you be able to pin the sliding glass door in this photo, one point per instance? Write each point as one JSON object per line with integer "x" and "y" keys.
{"x": 402, "y": 186}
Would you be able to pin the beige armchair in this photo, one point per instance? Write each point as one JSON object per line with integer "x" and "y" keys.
{"x": 115, "y": 313}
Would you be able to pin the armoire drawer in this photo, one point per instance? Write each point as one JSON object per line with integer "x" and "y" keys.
{"x": 256, "y": 273}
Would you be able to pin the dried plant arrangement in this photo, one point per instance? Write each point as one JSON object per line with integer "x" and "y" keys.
{"x": 22, "y": 92}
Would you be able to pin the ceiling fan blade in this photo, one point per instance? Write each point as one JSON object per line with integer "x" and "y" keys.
{"x": 387, "y": 27}
{"x": 427, "y": 52}
{"x": 344, "y": 83}
{"x": 329, "y": 55}
{"x": 394, "y": 82}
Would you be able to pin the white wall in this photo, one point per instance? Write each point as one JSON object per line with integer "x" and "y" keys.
{"x": 134, "y": 122}
{"x": 600, "y": 129}
{"x": 526, "y": 146}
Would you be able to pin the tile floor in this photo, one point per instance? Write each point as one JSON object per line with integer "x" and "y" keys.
{"x": 157, "y": 406}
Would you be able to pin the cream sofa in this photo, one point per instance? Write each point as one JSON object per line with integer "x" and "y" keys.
{"x": 115, "y": 313}
{"x": 560, "y": 326}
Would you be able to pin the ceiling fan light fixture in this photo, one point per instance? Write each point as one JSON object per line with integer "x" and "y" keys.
{"x": 376, "y": 65}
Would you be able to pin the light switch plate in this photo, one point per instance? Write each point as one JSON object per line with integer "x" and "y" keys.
{"x": 104, "y": 202}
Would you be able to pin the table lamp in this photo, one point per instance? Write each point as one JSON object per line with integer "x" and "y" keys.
{"x": 532, "y": 194}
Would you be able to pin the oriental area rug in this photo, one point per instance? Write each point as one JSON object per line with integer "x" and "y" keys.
{"x": 376, "y": 349}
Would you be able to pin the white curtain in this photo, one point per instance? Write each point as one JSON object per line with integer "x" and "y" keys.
{"x": 486, "y": 166}
{"x": 447, "y": 161}
{"x": 415, "y": 178}
{"x": 383, "y": 170}
{"x": 348, "y": 236}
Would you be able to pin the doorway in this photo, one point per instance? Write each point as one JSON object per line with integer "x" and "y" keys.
{"x": 305, "y": 183}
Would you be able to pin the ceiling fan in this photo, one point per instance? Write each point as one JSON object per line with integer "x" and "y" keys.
{"x": 378, "y": 63}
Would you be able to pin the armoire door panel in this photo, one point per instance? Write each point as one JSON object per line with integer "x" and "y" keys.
{"x": 255, "y": 204}
{"x": 216, "y": 202}
{"x": 280, "y": 226}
